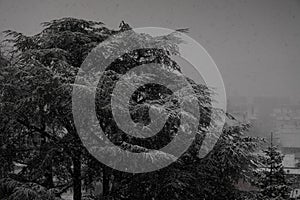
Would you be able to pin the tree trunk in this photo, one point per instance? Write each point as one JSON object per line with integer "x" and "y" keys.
{"x": 106, "y": 181}
{"x": 48, "y": 183}
{"x": 49, "y": 177}
{"x": 76, "y": 178}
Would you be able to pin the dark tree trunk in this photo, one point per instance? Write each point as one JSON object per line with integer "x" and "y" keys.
{"x": 106, "y": 181}
{"x": 49, "y": 177}
{"x": 76, "y": 178}
{"x": 48, "y": 183}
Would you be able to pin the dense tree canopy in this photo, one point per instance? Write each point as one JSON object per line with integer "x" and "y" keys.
{"x": 36, "y": 108}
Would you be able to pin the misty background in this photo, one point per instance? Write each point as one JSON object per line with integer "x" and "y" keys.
{"x": 255, "y": 44}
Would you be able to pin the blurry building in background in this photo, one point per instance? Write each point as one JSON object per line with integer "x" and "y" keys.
{"x": 287, "y": 129}
{"x": 277, "y": 115}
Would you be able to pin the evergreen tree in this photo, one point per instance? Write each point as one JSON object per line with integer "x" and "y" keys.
{"x": 272, "y": 180}
{"x": 36, "y": 102}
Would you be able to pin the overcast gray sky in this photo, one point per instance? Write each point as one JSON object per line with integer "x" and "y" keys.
{"x": 255, "y": 43}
